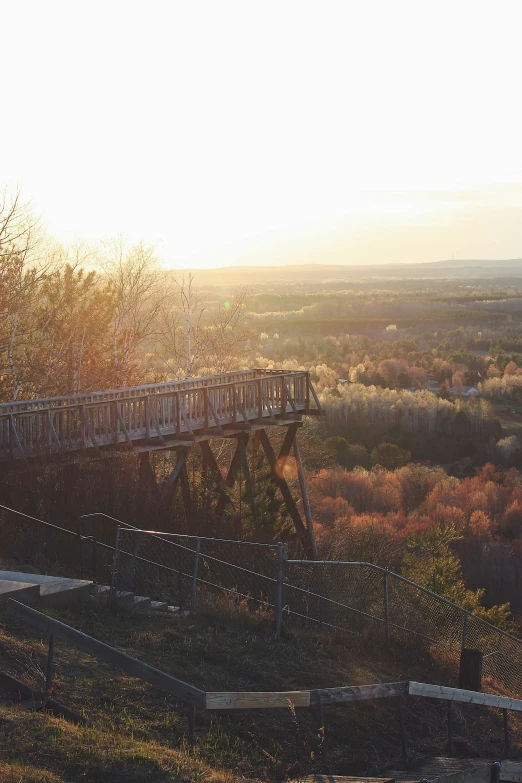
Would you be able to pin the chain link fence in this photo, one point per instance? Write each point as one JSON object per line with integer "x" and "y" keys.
{"x": 180, "y": 570}
{"x": 364, "y": 599}
{"x": 356, "y": 598}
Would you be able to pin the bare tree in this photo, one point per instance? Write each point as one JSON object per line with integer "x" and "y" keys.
{"x": 137, "y": 285}
{"x": 183, "y": 337}
{"x": 200, "y": 336}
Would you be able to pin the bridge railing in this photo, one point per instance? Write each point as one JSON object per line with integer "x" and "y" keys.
{"x": 133, "y": 391}
{"x": 151, "y": 412}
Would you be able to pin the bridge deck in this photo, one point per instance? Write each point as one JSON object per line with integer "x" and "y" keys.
{"x": 155, "y": 416}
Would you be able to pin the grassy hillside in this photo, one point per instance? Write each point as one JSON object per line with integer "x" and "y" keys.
{"x": 139, "y": 734}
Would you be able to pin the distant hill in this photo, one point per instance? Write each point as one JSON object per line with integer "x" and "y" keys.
{"x": 509, "y": 270}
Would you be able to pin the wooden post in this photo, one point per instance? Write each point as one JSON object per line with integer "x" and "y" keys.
{"x": 404, "y": 751}
{"x": 195, "y": 576}
{"x": 191, "y": 718}
{"x": 506, "y": 733}
{"x": 50, "y": 661}
{"x": 386, "y": 607}
{"x": 281, "y": 557}
{"x": 450, "y": 728}
{"x": 470, "y": 671}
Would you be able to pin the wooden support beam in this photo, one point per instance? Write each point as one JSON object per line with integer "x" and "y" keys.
{"x": 277, "y": 467}
{"x": 211, "y": 464}
{"x": 172, "y": 480}
{"x": 183, "y": 414}
{"x": 304, "y": 495}
{"x": 212, "y": 411}
{"x": 249, "y": 485}
{"x": 185, "y": 492}
{"x": 151, "y": 416}
{"x": 230, "y": 480}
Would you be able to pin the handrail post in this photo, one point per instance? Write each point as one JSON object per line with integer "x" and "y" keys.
{"x": 195, "y": 576}
{"x": 191, "y": 718}
{"x": 205, "y": 407}
{"x": 386, "y": 607}
{"x": 115, "y": 566}
{"x": 49, "y": 671}
{"x": 94, "y": 551}
{"x": 281, "y": 558}
{"x": 234, "y": 404}
{"x": 283, "y": 394}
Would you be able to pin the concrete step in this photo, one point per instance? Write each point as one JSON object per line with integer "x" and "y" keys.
{"x": 142, "y": 602}
{"x": 159, "y": 606}
{"x": 52, "y": 590}
{"x": 124, "y": 598}
{"x": 25, "y": 592}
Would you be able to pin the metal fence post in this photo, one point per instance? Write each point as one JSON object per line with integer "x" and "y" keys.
{"x": 281, "y": 558}
{"x": 404, "y": 750}
{"x": 195, "y": 576}
{"x": 115, "y": 567}
{"x": 180, "y": 582}
{"x": 94, "y": 551}
{"x": 450, "y": 728}
{"x": 50, "y": 661}
{"x": 386, "y": 607}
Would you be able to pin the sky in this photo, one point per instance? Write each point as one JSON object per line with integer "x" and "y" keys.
{"x": 276, "y": 132}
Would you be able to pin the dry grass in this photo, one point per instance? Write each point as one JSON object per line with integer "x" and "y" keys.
{"x": 139, "y": 734}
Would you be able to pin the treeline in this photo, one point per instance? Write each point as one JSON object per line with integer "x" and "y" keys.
{"x": 437, "y": 529}
{"x": 75, "y": 319}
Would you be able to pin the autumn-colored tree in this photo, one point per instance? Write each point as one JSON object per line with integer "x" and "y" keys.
{"x": 431, "y": 562}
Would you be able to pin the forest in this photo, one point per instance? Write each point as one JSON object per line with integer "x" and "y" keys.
{"x": 416, "y": 465}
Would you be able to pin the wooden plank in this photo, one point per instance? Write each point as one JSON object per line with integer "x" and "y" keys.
{"x": 466, "y": 697}
{"x": 382, "y": 690}
{"x": 252, "y": 701}
{"x": 103, "y": 652}
{"x": 341, "y": 779}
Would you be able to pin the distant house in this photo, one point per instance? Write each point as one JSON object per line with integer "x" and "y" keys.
{"x": 342, "y": 380}
{"x": 467, "y": 391}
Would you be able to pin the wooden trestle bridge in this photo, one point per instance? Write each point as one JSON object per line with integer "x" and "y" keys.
{"x": 172, "y": 416}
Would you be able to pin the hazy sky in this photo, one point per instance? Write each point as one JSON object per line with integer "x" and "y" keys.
{"x": 230, "y": 132}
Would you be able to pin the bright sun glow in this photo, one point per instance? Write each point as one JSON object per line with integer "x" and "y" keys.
{"x": 234, "y": 132}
